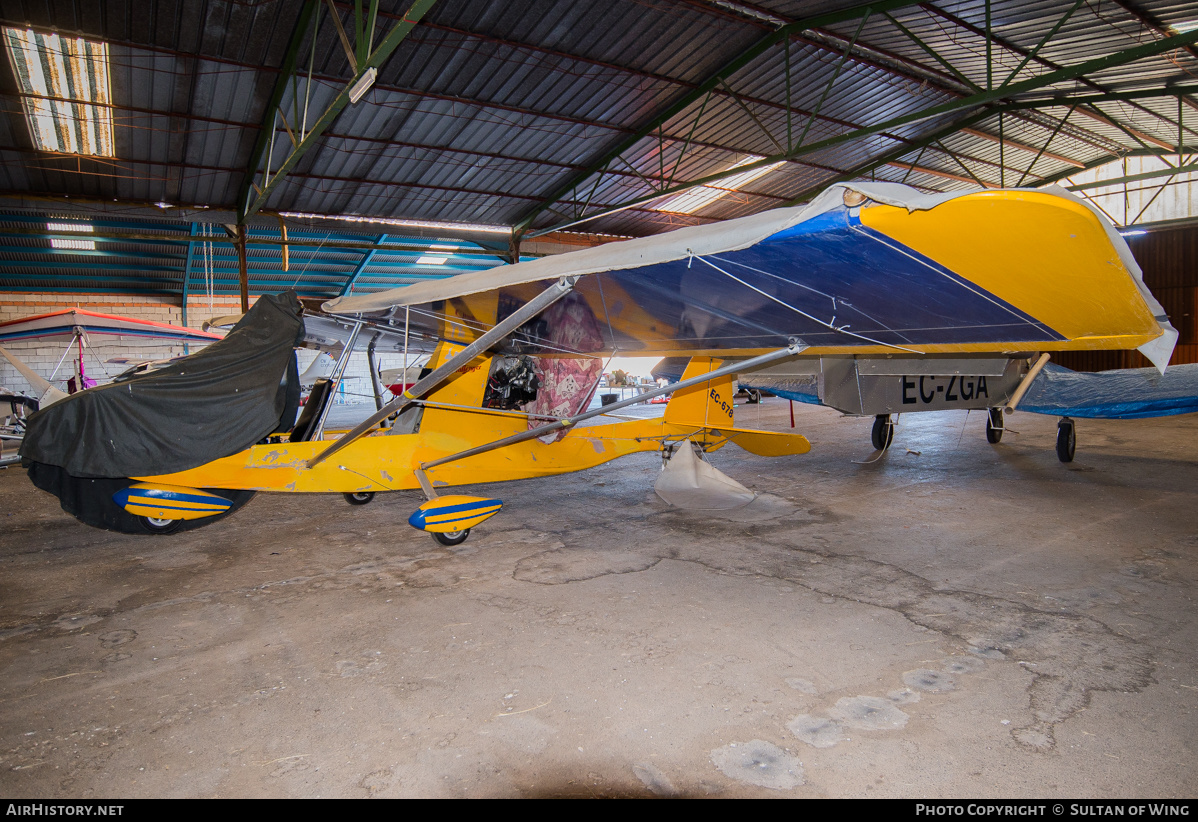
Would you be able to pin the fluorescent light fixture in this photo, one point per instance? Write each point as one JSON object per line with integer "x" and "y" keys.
{"x": 352, "y": 218}
{"x": 1135, "y": 232}
{"x": 358, "y": 89}
{"x": 77, "y": 245}
{"x": 1182, "y": 28}
{"x": 428, "y": 259}
{"x": 688, "y": 202}
{"x": 80, "y": 227}
{"x": 64, "y": 83}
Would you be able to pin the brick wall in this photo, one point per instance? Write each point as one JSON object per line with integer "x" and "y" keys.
{"x": 43, "y": 355}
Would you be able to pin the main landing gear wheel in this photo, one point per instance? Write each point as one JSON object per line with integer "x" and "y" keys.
{"x": 994, "y": 426}
{"x": 883, "y": 432}
{"x": 160, "y": 526}
{"x": 451, "y": 538}
{"x": 359, "y": 498}
{"x": 1066, "y": 440}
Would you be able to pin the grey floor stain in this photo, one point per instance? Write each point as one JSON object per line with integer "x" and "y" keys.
{"x": 961, "y": 665}
{"x": 929, "y": 681}
{"x": 653, "y": 779}
{"x": 817, "y": 731}
{"x": 760, "y": 763}
{"x": 806, "y": 686}
{"x": 73, "y": 622}
{"x": 869, "y": 713}
{"x": 112, "y": 639}
{"x": 903, "y": 696}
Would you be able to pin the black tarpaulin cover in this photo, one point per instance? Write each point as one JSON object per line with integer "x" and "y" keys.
{"x": 212, "y": 404}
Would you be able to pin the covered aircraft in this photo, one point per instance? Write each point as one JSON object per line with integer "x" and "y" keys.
{"x": 80, "y": 329}
{"x": 863, "y": 276}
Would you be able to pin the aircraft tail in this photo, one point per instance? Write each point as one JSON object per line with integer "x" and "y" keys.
{"x": 704, "y": 413}
{"x": 706, "y": 404}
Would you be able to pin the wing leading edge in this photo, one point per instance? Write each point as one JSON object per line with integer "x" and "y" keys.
{"x": 862, "y": 270}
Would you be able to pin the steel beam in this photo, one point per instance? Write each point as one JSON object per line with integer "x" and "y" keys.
{"x": 1012, "y": 47}
{"x": 187, "y": 271}
{"x": 973, "y": 101}
{"x": 1132, "y": 178}
{"x": 708, "y": 85}
{"x": 366, "y": 258}
{"x": 266, "y": 129}
{"x": 385, "y": 49}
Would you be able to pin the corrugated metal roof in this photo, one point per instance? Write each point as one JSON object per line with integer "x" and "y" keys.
{"x": 487, "y": 110}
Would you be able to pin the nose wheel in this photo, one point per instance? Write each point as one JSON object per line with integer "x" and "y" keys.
{"x": 451, "y": 538}
{"x": 883, "y": 432}
{"x": 360, "y": 498}
{"x": 994, "y": 426}
{"x": 159, "y": 526}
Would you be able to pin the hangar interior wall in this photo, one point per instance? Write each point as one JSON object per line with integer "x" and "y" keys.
{"x": 1169, "y": 258}
{"x": 43, "y": 355}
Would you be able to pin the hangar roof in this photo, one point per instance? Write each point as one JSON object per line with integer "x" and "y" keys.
{"x": 464, "y": 120}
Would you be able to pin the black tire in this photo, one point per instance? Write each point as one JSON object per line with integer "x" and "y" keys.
{"x": 160, "y": 526}
{"x": 754, "y": 397}
{"x": 883, "y": 432}
{"x": 994, "y": 426}
{"x": 90, "y": 501}
{"x": 451, "y": 538}
{"x": 359, "y": 498}
{"x": 1066, "y": 440}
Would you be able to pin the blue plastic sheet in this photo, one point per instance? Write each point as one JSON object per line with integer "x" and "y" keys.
{"x": 1124, "y": 394}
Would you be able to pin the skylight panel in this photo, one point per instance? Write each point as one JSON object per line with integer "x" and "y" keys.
{"x": 688, "y": 202}
{"x": 73, "y": 245}
{"x": 77, "y": 245}
{"x": 64, "y": 81}
{"x": 437, "y": 254}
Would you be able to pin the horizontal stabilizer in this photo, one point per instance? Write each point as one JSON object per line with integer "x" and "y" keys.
{"x": 768, "y": 443}
{"x": 761, "y": 443}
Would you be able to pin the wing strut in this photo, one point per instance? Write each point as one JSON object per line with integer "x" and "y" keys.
{"x": 500, "y": 330}
{"x": 795, "y": 347}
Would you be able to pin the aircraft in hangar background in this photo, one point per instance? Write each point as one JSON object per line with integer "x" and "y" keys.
{"x": 869, "y": 274}
{"x": 80, "y": 329}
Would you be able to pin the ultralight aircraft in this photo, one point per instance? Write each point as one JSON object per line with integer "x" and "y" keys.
{"x": 866, "y": 279}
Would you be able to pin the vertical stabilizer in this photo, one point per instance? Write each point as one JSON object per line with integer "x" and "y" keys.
{"x": 706, "y": 404}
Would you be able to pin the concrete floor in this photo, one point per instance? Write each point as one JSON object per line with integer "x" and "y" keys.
{"x": 955, "y": 620}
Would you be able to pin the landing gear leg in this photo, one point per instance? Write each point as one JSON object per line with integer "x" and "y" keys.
{"x": 994, "y": 426}
{"x": 883, "y": 432}
{"x": 1066, "y": 440}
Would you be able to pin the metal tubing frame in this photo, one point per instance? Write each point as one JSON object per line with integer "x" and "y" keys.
{"x": 497, "y": 332}
{"x": 735, "y": 368}
{"x": 338, "y": 374}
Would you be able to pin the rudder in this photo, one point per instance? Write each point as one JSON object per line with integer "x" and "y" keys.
{"x": 707, "y": 404}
